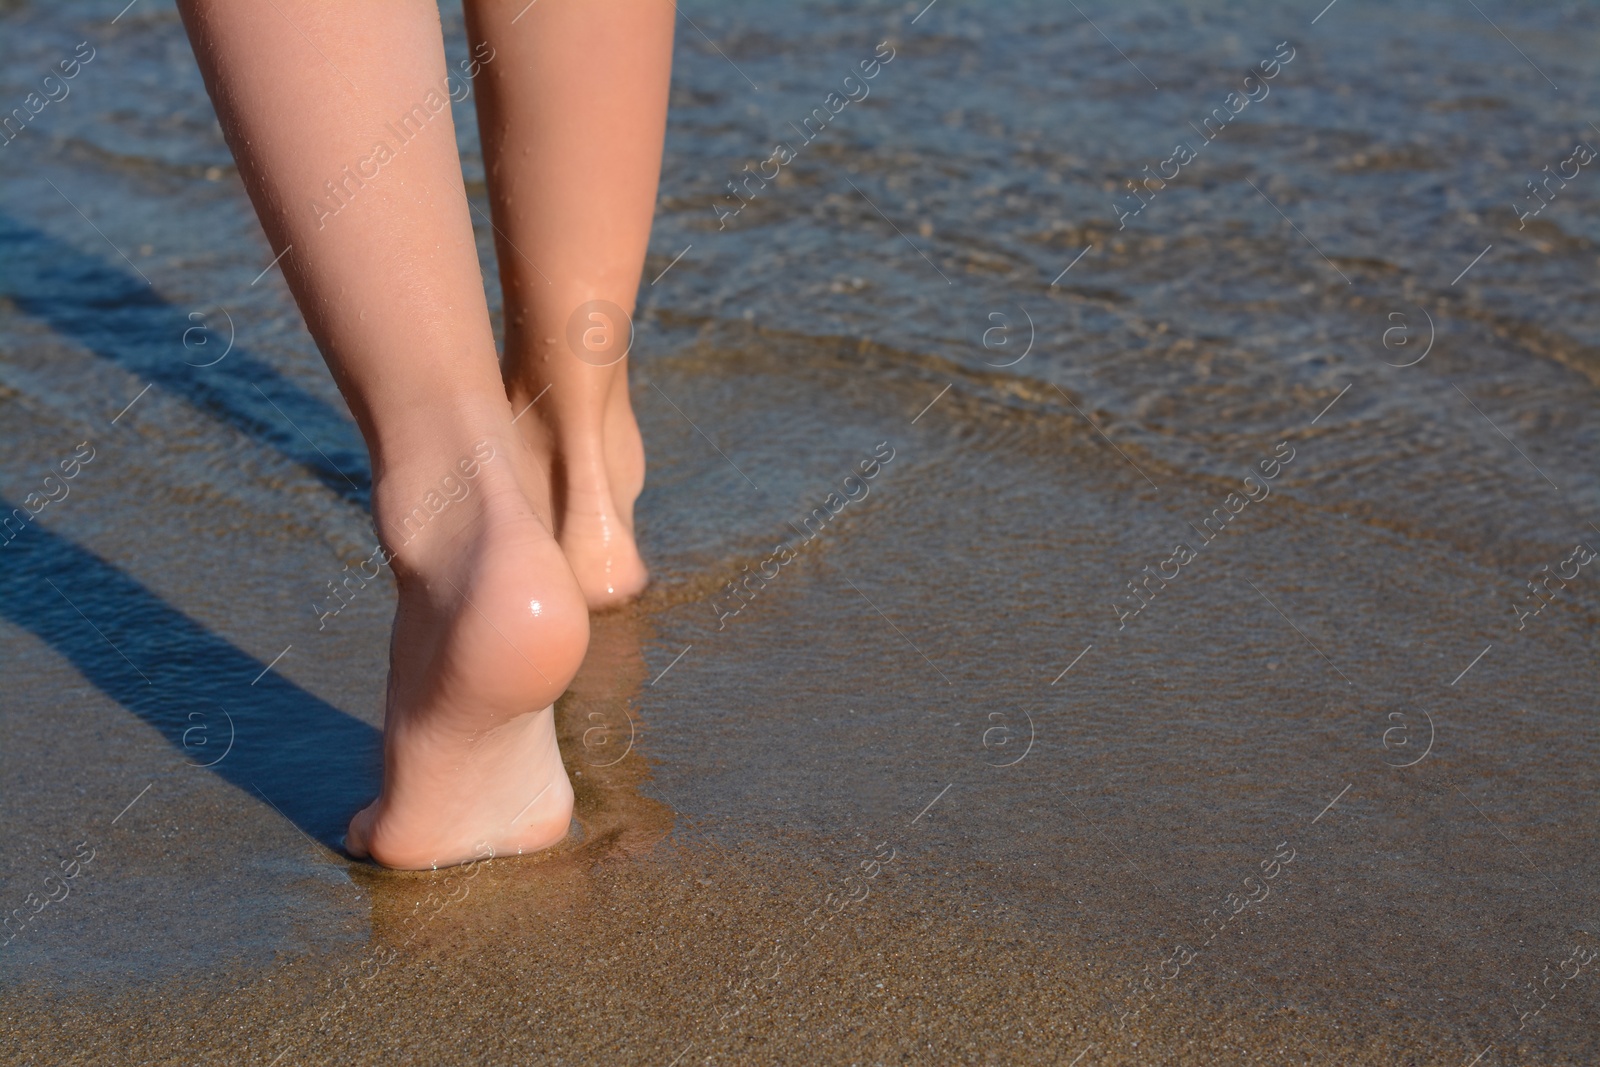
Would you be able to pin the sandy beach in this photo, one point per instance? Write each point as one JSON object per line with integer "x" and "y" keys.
{"x": 1090, "y": 624}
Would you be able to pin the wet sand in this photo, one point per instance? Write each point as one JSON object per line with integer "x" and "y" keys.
{"x": 941, "y": 787}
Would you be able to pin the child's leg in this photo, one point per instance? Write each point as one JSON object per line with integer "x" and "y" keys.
{"x": 337, "y": 114}
{"x": 572, "y": 107}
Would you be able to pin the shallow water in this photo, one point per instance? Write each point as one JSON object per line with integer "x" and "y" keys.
{"x": 934, "y": 793}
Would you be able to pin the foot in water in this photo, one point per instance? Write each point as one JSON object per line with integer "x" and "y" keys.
{"x": 596, "y": 472}
{"x": 490, "y": 628}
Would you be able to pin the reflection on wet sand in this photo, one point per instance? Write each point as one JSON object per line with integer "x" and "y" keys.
{"x": 599, "y": 727}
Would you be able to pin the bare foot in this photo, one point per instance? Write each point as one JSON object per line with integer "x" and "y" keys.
{"x": 490, "y": 629}
{"x": 594, "y": 481}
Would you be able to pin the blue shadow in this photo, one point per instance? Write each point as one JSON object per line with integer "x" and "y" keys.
{"x": 109, "y": 310}
{"x": 317, "y": 764}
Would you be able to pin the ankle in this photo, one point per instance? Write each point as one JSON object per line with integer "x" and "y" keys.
{"x": 423, "y": 507}
{"x": 436, "y": 426}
